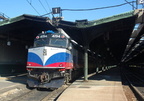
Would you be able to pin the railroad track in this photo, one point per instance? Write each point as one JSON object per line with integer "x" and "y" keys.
{"x": 40, "y": 95}
{"x": 136, "y": 83}
{"x": 34, "y": 94}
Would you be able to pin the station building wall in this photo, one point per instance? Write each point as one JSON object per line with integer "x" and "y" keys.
{"x": 12, "y": 58}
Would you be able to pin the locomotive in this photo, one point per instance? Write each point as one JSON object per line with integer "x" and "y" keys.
{"x": 54, "y": 60}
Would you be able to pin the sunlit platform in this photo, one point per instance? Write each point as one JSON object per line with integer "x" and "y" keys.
{"x": 105, "y": 86}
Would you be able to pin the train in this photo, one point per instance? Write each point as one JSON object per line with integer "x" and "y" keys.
{"x": 55, "y": 59}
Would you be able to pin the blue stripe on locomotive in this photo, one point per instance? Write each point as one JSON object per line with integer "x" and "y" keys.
{"x": 58, "y": 57}
{"x": 32, "y": 57}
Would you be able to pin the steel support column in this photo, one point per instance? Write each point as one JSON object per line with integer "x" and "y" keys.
{"x": 86, "y": 47}
{"x": 86, "y": 64}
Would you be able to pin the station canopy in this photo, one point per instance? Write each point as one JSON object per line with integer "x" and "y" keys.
{"x": 24, "y": 27}
{"x": 107, "y": 37}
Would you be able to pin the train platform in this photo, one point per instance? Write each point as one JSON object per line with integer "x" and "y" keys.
{"x": 106, "y": 86}
{"x": 11, "y": 84}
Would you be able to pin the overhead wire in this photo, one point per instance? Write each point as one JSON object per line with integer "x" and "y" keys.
{"x": 49, "y": 9}
{"x": 47, "y": 14}
{"x": 78, "y": 9}
{"x": 43, "y": 6}
{"x": 3, "y": 14}
{"x": 48, "y": 5}
{"x": 93, "y": 9}
{"x": 96, "y": 8}
{"x": 131, "y": 4}
{"x": 33, "y": 7}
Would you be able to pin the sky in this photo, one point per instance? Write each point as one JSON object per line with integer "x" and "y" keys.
{"x": 14, "y": 8}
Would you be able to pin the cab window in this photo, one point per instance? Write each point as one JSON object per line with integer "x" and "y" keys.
{"x": 58, "y": 42}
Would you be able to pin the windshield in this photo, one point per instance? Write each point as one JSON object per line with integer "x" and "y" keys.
{"x": 55, "y": 42}
{"x": 41, "y": 42}
{"x": 58, "y": 42}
